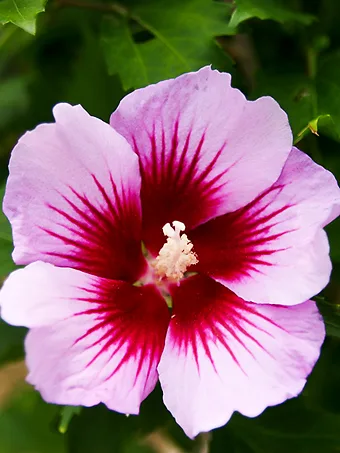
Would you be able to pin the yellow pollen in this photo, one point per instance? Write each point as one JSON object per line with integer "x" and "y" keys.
{"x": 176, "y": 255}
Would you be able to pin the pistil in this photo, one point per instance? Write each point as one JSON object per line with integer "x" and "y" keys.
{"x": 176, "y": 255}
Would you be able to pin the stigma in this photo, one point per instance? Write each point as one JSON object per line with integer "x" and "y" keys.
{"x": 176, "y": 255}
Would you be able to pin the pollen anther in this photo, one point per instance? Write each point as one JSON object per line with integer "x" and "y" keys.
{"x": 176, "y": 255}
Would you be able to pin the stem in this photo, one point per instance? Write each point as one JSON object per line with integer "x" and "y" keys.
{"x": 311, "y": 62}
{"x": 241, "y": 49}
{"x": 202, "y": 443}
{"x": 160, "y": 442}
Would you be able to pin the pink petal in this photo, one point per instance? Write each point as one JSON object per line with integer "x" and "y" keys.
{"x": 223, "y": 354}
{"x": 73, "y": 197}
{"x": 273, "y": 250}
{"x": 92, "y": 340}
{"x": 204, "y": 150}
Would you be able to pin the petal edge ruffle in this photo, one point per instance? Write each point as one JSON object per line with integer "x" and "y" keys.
{"x": 91, "y": 340}
{"x": 223, "y": 354}
{"x": 199, "y": 142}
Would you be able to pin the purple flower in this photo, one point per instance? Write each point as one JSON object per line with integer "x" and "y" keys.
{"x": 180, "y": 243}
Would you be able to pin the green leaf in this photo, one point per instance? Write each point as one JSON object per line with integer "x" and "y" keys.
{"x": 267, "y": 9}
{"x": 5, "y": 228}
{"x": 21, "y": 13}
{"x": 89, "y": 70}
{"x": 11, "y": 338}
{"x": 328, "y": 92}
{"x": 333, "y": 235}
{"x": 329, "y": 300}
{"x": 124, "y": 56}
{"x": 177, "y": 37}
{"x": 306, "y": 424}
{"x": 6, "y": 262}
{"x": 321, "y": 392}
{"x": 6, "y": 247}
{"x": 331, "y": 315}
{"x": 101, "y": 431}
{"x": 13, "y": 99}
{"x": 313, "y": 105}
{"x": 27, "y": 426}
{"x": 291, "y": 427}
{"x": 11, "y": 342}
{"x": 313, "y": 126}
{"x": 295, "y": 94}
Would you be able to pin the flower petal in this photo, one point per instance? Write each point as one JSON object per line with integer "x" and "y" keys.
{"x": 273, "y": 250}
{"x": 223, "y": 354}
{"x": 204, "y": 149}
{"x": 73, "y": 197}
{"x": 92, "y": 340}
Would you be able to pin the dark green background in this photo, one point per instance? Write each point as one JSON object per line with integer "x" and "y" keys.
{"x": 95, "y": 51}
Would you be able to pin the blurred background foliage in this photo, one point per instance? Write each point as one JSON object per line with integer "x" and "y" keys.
{"x": 93, "y": 52}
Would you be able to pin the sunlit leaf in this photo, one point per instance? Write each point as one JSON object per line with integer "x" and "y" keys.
{"x": 267, "y": 9}
{"x": 21, "y": 13}
{"x": 159, "y": 39}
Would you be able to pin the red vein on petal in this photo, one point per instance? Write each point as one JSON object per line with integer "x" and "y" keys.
{"x": 102, "y": 239}
{"x": 207, "y": 313}
{"x": 125, "y": 322}
{"x": 242, "y": 242}
{"x": 173, "y": 184}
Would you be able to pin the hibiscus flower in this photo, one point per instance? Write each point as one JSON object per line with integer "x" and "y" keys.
{"x": 182, "y": 242}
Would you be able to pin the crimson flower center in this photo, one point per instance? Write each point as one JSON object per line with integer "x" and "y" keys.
{"x": 176, "y": 255}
